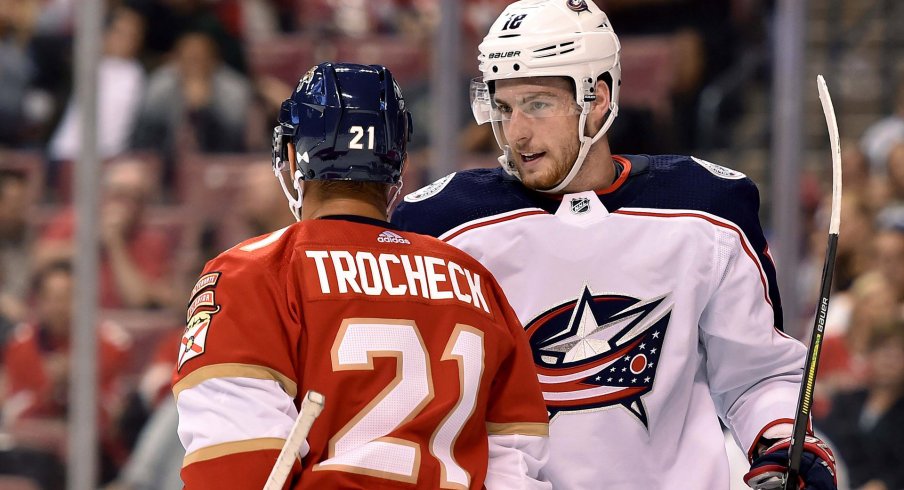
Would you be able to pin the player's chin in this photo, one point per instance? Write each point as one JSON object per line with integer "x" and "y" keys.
{"x": 538, "y": 181}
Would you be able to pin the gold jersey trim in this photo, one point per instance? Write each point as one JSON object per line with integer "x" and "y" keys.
{"x": 227, "y": 448}
{"x": 518, "y": 428}
{"x": 235, "y": 370}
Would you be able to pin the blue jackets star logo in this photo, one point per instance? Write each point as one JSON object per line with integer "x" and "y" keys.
{"x": 599, "y": 351}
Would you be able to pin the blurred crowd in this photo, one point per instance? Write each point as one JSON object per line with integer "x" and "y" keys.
{"x": 859, "y": 400}
{"x": 188, "y": 91}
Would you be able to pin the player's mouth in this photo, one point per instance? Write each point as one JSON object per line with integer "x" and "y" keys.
{"x": 530, "y": 157}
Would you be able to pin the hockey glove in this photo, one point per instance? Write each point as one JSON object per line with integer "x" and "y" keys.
{"x": 817, "y": 466}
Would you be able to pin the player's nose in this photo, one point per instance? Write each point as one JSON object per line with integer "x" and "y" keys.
{"x": 518, "y": 129}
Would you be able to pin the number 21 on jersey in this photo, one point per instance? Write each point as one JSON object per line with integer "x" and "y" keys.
{"x": 362, "y": 446}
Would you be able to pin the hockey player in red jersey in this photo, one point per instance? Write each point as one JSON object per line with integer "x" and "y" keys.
{"x": 426, "y": 371}
{"x": 644, "y": 281}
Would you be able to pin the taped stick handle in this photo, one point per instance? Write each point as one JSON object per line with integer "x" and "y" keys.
{"x": 311, "y": 407}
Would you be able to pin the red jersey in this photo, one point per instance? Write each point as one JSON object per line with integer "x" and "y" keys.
{"x": 29, "y": 381}
{"x": 150, "y": 249}
{"x": 426, "y": 371}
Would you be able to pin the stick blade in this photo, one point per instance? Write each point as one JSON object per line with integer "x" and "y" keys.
{"x": 828, "y": 109}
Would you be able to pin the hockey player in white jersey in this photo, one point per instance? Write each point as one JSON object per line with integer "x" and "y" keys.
{"x": 644, "y": 282}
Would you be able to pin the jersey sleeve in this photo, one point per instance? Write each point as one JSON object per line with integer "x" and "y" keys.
{"x": 754, "y": 369}
{"x": 517, "y": 420}
{"x": 235, "y": 385}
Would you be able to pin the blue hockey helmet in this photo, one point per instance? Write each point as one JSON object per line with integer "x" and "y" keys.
{"x": 343, "y": 122}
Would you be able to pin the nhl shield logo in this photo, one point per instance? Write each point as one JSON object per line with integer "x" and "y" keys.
{"x": 580, "y": 205}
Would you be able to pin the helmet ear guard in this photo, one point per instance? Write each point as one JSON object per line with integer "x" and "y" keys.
{"x": 283, "y": 133}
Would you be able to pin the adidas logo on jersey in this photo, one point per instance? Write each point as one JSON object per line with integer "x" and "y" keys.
{"x": 390, "y": 237}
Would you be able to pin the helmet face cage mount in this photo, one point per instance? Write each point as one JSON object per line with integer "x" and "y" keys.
{"x": 342, "y": 122}
{"x": 549, "y": 38}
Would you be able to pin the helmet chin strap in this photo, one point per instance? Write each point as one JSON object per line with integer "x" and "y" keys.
{"x": 299, "y": 189}
{"x": 394, "y": 191}
{"x": 294, "y": 202}
{"x": 586, "y": 143}
{"x": 297, "y": 177}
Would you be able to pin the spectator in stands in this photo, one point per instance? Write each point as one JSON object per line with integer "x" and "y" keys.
{"x": 855, "y": 169}
{"x": 704, "y": 40}
{"x": 36, "y": 361}
{"x": 865, "y": 425}
{"x": 852, "y": 257}
{"x": 268, "y": 97}
{"x": 872, "y": 190}
{"x": 868, "y": 303}
{"x": 853, "y": 266}
{"x": 121, "y": 81}
{"x": 16, "y": 68}
{"x": 195, "y": 103}
{"x": 15, "y": 239}
{"x": 37, "y": 357}
{"x": 156, "y": 461}
{"x": 170, "y": 20}
{"x": 136, "y": 257}
{"x": 23, "y": 468}
{"x": 257, "y": 20}
{"x": 889, "y": 249}
{"x": 883, "y": 135}
{"x": 893, "y": 173}
{"x": 260, "y": 208}
{"x": 151, "y": 421}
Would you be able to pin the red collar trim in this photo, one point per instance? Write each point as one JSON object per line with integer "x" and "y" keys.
{"x": 626, "y": 171}
{"x": 621, "y": 178}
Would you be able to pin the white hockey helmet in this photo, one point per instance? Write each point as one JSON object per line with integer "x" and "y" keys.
{"x": 549, "y": 38}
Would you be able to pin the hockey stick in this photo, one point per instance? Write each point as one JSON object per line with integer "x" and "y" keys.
{"x": 311, "y": 407}
{"x": 806, "y": 388}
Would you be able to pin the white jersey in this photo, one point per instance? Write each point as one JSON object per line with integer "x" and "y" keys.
{"x": 651, "y": 308}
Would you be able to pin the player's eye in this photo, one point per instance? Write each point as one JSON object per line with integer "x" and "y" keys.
{"x": 503, "y": 108}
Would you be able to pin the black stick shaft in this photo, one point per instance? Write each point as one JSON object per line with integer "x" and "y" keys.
{"x": 805, "y": 400}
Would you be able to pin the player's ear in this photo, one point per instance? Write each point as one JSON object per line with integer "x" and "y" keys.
{"x": 599, "y": 108}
